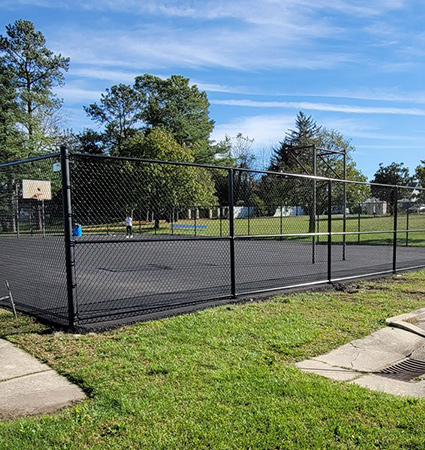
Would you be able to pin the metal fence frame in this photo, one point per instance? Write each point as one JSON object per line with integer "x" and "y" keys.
{"x": 70, "y": 242}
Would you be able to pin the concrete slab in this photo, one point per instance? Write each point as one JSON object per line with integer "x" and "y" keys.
{"x": 320, "y": 368}
{"x": 413, "y": 321}
{"x": 391, "y": 386}
{"x": 358, "y": 361}
{"x": 29, "y": 387}
{"x": 14, "y": 362}
{"x": 38, "y": 393}
{"x": 374, "y": 352}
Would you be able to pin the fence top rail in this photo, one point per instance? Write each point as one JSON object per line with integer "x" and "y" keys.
{"x": 265, "y": 172}
{"x": 28, "y": 160}
{"x": 206, "y": 166}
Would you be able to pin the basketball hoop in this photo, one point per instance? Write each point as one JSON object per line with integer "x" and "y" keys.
{"x": 38, "y": 196}
{"x": 37, "y": 189}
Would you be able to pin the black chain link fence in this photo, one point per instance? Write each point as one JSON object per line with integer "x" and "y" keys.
{"x": 119, "y": 238}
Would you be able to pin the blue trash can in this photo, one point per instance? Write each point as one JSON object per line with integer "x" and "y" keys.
{"x": 77, "y": 231}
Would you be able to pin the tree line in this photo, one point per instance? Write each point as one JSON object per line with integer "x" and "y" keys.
{"x": 167, "y": 119}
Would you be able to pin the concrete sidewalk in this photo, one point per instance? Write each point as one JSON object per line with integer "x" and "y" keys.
{"x": 392, "y": 360}
{"x": 28, "y": 387}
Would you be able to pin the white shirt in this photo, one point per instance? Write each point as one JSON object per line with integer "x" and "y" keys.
{"x": 129, "y": 221}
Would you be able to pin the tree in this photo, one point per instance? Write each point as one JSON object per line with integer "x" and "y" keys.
{"x": 35, "y": 71}
{"x": 116, "y": 188}
{"x": 296, "y": 155}
{"x": 420, "y": 176}
{"x": 11, "y": 139}
{"x": 179, "y": 109}
{"x": 394, "y": 174}
{"x": 120, "y": 110}
{"x": 169, "y": 104}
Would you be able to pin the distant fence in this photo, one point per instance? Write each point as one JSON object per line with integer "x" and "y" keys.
{"x": 199, "y": 233}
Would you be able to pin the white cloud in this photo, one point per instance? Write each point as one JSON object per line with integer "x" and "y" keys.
{"x": 248, "y": 10}
{"x": 217, "y": 33}
{"x": 264, "y": 129}
{"x": 102, "y": 73}
{"x": 346, "y": 109}
{"x": 76, "y": 95}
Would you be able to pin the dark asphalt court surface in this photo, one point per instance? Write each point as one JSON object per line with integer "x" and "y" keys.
{"x": 118, "y": 277}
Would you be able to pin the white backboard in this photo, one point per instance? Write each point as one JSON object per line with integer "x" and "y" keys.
{"x": 37, "y": 189}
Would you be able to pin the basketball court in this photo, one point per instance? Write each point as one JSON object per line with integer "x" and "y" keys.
{"x": 116, "y": 277}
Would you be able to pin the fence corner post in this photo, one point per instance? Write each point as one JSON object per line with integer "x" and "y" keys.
{"x": 69, "y": 244}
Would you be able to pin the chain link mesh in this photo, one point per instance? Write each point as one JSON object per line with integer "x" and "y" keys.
{"x": 154, "y": 236}
{"x": 31, "y": 241}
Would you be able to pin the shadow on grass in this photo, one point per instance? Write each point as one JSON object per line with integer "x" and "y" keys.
{"x": 23, "y": 324}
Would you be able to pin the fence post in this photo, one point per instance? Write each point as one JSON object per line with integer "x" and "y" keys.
{"x": 395, "y": 229}
{"x": 329, "y": 231}
{"x": 232, "y": 234}
{"x": 69, "y": 244}
{"x": 359, "y": 225}
{"x": 407, "y": 227}
{"x": 249, "y": 212}
{"x": 281, "y": 221}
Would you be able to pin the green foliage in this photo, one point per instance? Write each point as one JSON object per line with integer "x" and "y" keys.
{"x": 35, "y": 70}
{"x": 11, "y": 139}
{"x": 395, "y": 174}
{"x": 170, "y": 104}
{"x": 178, "y": 108}
{"x": 119, "y": 111}
{"x": 169, "y": 185}
{"x": 106, "y": 189}
{"x": 296, "y": 155}
{"x": 420, "y": 176}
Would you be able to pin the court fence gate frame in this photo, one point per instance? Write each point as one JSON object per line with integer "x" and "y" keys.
{"x": 200, "y": 234}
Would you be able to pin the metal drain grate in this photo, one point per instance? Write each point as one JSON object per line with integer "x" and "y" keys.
{"x": 404, "y": 370}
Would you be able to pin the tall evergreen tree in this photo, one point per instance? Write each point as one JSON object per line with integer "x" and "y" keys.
{"x": 11, "y": 138}
{"x": 295, "y": 153}
{"x": 35, "y": 70}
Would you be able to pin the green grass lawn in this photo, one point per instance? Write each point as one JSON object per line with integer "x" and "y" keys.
{"x": 224, "y": 378}
{"x": 287, "y": 225}
{"x": 272, "y": 226}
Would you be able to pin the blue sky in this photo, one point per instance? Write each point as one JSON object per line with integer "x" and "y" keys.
{"x": 355, "y": 66}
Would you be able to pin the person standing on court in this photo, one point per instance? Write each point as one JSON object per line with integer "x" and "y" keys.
{"x": 129, "y": 225}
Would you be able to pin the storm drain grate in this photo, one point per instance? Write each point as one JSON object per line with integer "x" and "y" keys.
{"x": 404, "y": 370}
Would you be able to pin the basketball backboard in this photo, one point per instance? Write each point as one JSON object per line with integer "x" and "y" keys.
{"x": 37, "y": 189}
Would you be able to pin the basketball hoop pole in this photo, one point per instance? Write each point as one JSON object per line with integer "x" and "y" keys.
{"x": 43, "y": 218}
{"x": 17, "y": 209}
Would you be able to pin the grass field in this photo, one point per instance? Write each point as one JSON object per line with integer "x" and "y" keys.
{"x": 224, "y": 378}
{"x": 286, "y": 225}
